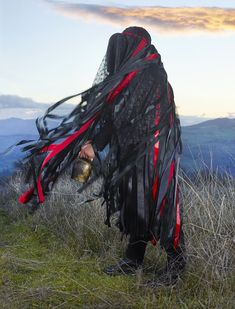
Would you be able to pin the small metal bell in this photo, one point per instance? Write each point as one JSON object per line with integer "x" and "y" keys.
{"x": 81, "y": 170}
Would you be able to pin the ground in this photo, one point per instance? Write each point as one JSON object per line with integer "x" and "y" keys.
{"x": 38, "y": 270}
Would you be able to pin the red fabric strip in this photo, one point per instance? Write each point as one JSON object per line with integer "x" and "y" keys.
{"x": 134, "y": 35}
{"x": 153, "y": 241}
{"x": 155, "y": 187}
{"x": 141, "y": 45}
{"x": 171, "y": 172}
{"x": 59, "y": 147}
{"x": 126, "y": 80}
{"x": 53, "y": 150}
{"x": 155, "y": 152}
{"x": 49, "y": 148}
{"x": 24, "y": 198}
{"x": 152, "y": 57}
{"x": 40, "y": 192}
{"x": 177, "y": 223}
{"x": 162, "y": 206}
{"x": 171, "y": 120}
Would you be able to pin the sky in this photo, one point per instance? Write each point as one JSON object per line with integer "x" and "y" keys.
{"x": 52, "y": 49}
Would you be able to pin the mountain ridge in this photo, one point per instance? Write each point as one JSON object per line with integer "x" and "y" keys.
{"x": 200, "y": 142}
{"x": 216, "y": 121}
{"x": 13, "y": 105}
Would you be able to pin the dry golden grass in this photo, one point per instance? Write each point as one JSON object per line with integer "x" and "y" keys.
{"x": 55, "y": 258}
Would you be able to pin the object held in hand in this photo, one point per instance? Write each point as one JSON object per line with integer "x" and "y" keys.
{"x": 81, "y": 170}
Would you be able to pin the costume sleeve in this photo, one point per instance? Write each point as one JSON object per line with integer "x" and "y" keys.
{"x": 102, "y": 136}
{"x": 101, "y": 139}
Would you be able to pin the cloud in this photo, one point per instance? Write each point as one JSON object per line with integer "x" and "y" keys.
{"x": 231, "y": 114}
{"x": 13, "y": 101}
{"x": 160, "y": 19}
{"x": 26, "y": 108}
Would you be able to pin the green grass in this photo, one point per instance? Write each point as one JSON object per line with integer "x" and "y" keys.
{"x": 38, "y": 270}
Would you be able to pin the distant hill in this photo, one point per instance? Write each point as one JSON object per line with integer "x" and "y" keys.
{"x": 207, "y": 144}
{"x": 25, "y": 108}
{"x": 13, "y": 106}
{"x": 14, "y": 101}
{"x": 8, "y": 160}
{"x": 210, "y": 143}
{"x": 17, "y": 126}
{"x": 219, "y": 123}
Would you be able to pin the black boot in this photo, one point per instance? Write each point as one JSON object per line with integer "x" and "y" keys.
{"x": 123, "y": 267}
{"x": 132, "y": 262}
{"x": 175, "y": 266}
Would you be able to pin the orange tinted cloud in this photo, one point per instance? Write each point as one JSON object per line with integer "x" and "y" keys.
{"x": 161, "y": 19}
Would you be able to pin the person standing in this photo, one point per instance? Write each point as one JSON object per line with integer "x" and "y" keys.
{"x": 139, "y": 217}
{"x": 130, "y": 108}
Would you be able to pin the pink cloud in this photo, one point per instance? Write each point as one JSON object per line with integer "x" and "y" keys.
{"x": 160, "y": 19}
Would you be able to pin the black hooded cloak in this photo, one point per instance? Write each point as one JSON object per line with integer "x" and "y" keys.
{"x": 131, "y": 108}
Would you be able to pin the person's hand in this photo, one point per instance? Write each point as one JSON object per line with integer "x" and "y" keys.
{"x": 87, "y": 152}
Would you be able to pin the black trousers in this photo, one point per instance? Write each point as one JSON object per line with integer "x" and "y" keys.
{"x": 136, "y": 249}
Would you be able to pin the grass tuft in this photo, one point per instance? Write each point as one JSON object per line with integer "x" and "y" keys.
{"x": 55, "y": 258}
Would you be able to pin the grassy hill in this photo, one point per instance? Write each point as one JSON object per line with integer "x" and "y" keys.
{"x": 55, "y": 258}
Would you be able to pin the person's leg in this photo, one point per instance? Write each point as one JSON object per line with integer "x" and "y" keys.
{"x": 132, "y": 261}
{"x": 175, "y": 266}
{"x": 176, "y": 258}
{"x": 135, "y": 250}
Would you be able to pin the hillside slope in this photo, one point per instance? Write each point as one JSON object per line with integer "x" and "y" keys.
{"x": 208, "y": 144}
